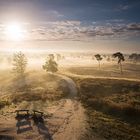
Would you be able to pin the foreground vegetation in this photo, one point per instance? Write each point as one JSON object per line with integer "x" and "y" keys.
{"x": 112, "y": 107}
{"x": 112, "y": 104}
{"x": 33, "y": 86}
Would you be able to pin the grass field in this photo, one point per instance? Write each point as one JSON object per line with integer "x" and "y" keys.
{"x": 111, "y": 100}
{"x": 130, "y": 70}
{"x": 112, "y": 104}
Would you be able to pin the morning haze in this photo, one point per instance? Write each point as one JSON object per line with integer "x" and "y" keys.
{"x": 69, "y": 70}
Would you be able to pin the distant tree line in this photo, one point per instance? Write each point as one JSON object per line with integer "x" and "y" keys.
{"x": 20, "y": 61}
{"x": 134, "y": 57}
{"x": 20, "y": 64}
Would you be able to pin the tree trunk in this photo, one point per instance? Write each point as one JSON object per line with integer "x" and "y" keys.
{"x": 99, "y": 64}
{"x": 121, "y": 68}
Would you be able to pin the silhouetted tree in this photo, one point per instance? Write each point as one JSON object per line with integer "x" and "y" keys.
{"x": 19, "y": 63}
{"x": 98, "y": 58}
{"x": 50, "y": 64}
{"x": 120, "y": 57}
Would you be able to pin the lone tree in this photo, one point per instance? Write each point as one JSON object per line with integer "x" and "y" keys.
{"x": 120, "y": 57}
{"x": 50, "y": 64}
{"x": 19, "y": 63}
{"x": 98, "y": 58}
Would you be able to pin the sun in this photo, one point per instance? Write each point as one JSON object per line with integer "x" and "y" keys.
{"x": 14, "y": 31}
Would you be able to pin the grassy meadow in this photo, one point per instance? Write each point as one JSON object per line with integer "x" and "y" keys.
{"x": 111, "y": 100}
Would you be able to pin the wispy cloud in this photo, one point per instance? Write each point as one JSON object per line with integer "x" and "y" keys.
{"x": 53, "y": 13}
{"x": 76, "y": 30}
{"x": 124, "y": 7}
{"x": 133, "y": 26}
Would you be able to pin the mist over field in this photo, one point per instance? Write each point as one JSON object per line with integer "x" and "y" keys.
{"x": 69, "y": 70}
{"x": 94, "y": 95}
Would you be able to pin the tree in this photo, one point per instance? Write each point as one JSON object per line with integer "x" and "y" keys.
{"x": 135, "y": 57}
{"x": 98, "y": 58}
{"x": 120, "y": 57}
{"x": 19, "y": 63}
{"x": 50, "y": 64}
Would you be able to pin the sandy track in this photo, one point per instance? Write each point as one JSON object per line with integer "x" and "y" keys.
{"x": 99, "y": 77}
{"x": 67, "y": 120}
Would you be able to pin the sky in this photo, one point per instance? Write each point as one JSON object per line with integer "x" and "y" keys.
{"x": 81, "y": 25}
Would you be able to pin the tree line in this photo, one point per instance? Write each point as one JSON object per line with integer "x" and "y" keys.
{"x": 20, "y": 61}
{"x": 118, "y": 55}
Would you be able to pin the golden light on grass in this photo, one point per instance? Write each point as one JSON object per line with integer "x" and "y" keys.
{"x": 14, "y": 31}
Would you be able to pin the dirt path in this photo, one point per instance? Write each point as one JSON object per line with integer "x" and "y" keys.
{"x": 71, "y": 85}
{"x": 67, "y": 120}
{"x": 101, "y": 77}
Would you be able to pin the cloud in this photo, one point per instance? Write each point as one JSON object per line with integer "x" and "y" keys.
{"x": 76, "y": 30}
{"x": 133, "y": 26}
{"x": 124, "y": 7}
{"x": 115, "y": 21}
{"x": 54, "y": 14}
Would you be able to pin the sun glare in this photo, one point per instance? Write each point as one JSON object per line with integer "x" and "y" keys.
{"x": 14, "y": 32}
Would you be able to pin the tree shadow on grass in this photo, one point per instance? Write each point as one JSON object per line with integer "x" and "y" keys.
{"x": 20, "y": 83}
{"x": 128, "y": 115}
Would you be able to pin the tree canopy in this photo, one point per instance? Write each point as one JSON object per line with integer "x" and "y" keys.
{"x": 50, "y": 64}
{"x": 120, "y": 57}
{"x": 19, "y": 63}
